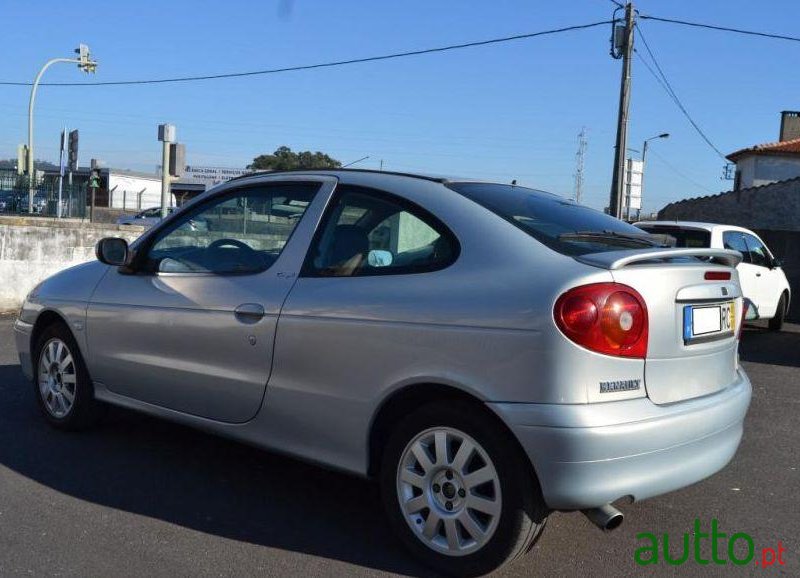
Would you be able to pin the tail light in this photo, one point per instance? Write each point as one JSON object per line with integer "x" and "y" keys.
{"x": 608, "y": 318}
{"x": 717, "y": 276}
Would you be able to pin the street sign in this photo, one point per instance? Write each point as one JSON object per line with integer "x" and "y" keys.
{"x": 177, "y": 159}
{"x": 633, "y": 184}
{"x": 213, "y": 175}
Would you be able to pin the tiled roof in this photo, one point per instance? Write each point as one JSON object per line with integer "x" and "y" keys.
{"x": 791, "y": 147}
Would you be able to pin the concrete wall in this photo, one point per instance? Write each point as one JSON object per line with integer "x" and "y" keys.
{"x": 32, "y": 249}
{"x": 774, "y": 207}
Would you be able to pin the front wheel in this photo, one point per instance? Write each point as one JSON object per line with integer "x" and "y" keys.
{"x": 62, "y": 385}
{"x": 776, "y": 323}
{"x": 458, "y": 491}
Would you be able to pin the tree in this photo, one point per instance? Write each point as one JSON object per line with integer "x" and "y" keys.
{"x": 284, "y": 159}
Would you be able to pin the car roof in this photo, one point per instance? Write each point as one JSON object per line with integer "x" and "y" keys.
{"x": 345, "y": 171}
{"x": 694, "y": 225}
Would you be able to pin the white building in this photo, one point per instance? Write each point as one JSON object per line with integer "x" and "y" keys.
{"x": 770, "y": 162}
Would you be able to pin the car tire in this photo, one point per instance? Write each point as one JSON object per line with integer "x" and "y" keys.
{"x": 477, "y": 526}
{"x": 776, "y": 323}
{"x": 61, "y": 382}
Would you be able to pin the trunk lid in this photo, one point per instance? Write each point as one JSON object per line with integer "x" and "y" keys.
{"x": 693, "y": 322}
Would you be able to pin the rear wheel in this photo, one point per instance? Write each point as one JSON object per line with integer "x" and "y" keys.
{"x": 458, "y": 492}
{"x": 61, "y": 382}
{"x": 776, "y": 323}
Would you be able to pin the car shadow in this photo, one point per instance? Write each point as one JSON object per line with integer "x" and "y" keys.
{"x": 760, "y": 345}
{"x": 173, "y": 473}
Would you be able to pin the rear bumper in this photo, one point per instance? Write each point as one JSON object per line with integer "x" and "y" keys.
{"x": 22, "y": 337}
{"x": 593, "y": 454}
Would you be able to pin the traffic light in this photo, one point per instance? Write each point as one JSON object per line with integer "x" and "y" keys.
{"x": 85, "y": 61}
{"x": 94, "y": 179}
{"x": 73, "y": 150}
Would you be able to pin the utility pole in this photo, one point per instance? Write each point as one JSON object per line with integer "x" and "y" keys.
{"x": 579, "y": 162}
{"x": 622, "y": 47}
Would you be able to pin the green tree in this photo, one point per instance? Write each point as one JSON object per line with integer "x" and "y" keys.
{"x": 284, "y": 159}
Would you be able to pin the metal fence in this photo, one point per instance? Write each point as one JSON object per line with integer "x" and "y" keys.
{"x": 16, "y": 191}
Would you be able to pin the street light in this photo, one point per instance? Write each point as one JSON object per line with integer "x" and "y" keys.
{"x": 647, "y": 140}
{"x": 86, "y": 64}
{"x": 644, "y": 155}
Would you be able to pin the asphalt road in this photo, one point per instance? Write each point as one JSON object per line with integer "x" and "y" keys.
{"x": 143, "y": 497}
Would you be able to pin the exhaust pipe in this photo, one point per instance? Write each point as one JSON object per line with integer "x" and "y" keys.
{"x": 606, "y": 517}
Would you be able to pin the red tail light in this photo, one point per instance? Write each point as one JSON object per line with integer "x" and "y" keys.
{"x": 608, "y": 318}
{"x": 717, "y": 276}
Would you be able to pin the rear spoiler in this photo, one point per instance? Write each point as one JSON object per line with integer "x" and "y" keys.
{"x": 619, "y": 259}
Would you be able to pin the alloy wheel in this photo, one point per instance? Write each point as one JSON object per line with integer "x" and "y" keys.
{"x": 449, "y": 491}
{"x": 57, "y": 378}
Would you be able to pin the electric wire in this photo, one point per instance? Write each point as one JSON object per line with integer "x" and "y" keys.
{"x": 323, "y": 64}
{"x": 665, "y": 84}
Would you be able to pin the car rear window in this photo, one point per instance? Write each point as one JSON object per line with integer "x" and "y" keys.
{"x": 555, "y": 221}
{"x": 681, "y": 237}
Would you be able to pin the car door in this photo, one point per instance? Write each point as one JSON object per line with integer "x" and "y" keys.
{"x": 769, "y": 281}
{"x": 749, "y": 274}
{"x": 190, "y": 325}
{"x": 347, "y": 323}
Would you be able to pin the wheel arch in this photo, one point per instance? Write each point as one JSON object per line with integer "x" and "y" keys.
{"x": 44, "y": 320}
{"x": 413, "y": 396}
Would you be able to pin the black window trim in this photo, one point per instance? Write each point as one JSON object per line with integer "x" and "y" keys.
{"x": 138, "y": 263}
{"x": 746, "y": 255}
{"x": 308, "y": 269}
{"x": 767, "y": 252}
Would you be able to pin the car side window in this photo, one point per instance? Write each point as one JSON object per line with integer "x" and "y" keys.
{"x": 758, "y": 252}
{"x": 240, "y": 232}
{"x": 735, "y": 240}
{"x": 369, "y": 232}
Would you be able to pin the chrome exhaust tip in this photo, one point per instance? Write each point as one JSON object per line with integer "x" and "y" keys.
{"x": 606, "y": 517}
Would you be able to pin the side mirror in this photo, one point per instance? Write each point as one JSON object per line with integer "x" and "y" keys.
{"x": 112, "y": 251}
{"x": 379, "y": 258}
{"x": 776, "y": 263}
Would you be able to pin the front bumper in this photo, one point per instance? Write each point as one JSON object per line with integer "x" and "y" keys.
{"x": 590, "y": 455}
{"x": 22, "y": 336}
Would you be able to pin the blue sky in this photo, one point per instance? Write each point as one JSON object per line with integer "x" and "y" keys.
{"x": 498, "y": 112}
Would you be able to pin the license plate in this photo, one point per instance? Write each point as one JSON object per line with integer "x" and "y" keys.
{"x": 708, "y": 322}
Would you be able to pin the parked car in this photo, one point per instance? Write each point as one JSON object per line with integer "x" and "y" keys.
{"x": 488, "y": 353}
{"x": 761, "y": 275}
{"x": 146, "y": 218}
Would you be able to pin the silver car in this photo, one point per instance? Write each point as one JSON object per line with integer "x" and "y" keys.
{"x": 489, "y": 353}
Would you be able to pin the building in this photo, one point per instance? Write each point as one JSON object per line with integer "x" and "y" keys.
{"x": 767, "y": 163}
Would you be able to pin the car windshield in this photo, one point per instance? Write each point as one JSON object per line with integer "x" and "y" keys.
{"x": 562, "y": 225}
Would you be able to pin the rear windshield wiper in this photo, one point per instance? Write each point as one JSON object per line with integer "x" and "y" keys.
{"x": 644, "y": 239}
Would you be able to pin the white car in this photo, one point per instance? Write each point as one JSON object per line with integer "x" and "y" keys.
{"x": 763, "y": 281}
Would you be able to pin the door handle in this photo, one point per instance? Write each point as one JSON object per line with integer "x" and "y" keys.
{"x": 758, "y": 274}
{"x": 249, "y": 312}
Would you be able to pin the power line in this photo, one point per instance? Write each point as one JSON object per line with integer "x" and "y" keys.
{"x": 321, "y": 65}
{"x": 721, "y": 28}
{"x": 671, "y": 92}
{"x": 681, "y": 174}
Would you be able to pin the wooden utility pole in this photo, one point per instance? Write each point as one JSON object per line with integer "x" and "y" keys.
{"x": 618, "y": 179}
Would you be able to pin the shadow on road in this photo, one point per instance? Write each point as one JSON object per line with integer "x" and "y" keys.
{"x": 760, "y": 345}
{"x": 185, "y": 477}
